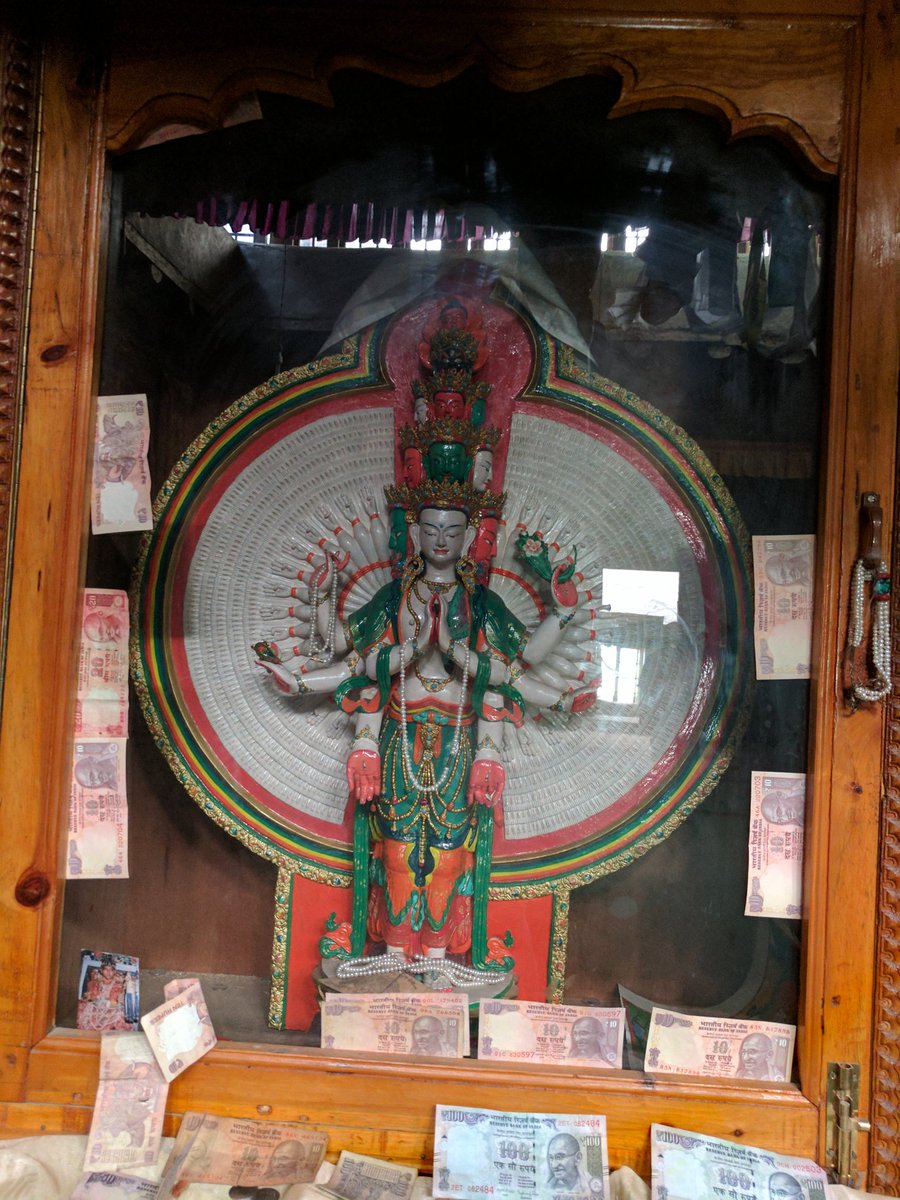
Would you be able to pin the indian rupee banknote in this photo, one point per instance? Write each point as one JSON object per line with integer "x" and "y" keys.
{"x": 511, "y": 1156}
{"x": 705, "y": 1045}
{"x": 101, "y": 699}
{"x": 528, "y": 1031}
{"x": 426, "y": 1023}
{"x": 783, "y": 605}
{"x": 775, "y": 849}
{"x": 180, "y": 1030}
{"x": 98, "y": 810}
{"x": 127, "y": 1124}
{"x": 120, "y": 485}
{"x": 242, "y": 1153}
{"x": 691, "y": 1166}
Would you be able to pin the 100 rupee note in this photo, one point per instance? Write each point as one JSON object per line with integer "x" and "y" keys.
{"x": 692, "y": 1166}
{"x": 519, "y": 1156}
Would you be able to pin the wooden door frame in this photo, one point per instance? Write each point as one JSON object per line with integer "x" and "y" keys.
{"x": 47, "y": 1078}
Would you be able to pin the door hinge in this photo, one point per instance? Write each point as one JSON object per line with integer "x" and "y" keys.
{"x": 842, "y": 1122}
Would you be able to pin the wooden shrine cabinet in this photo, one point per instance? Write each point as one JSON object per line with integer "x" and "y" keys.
{"x": 83, "y": 88}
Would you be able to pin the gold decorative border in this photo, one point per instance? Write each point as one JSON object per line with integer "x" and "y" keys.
{"x": 884, "y": 1161}
{"x": 20, "y": 69}
{"x": 280, "y": 947}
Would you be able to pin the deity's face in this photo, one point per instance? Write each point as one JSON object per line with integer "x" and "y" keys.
{"x": 448, "y": 404}
{"x": 454, "y": 316}
{"x": 755, "y": 1052}
{"x": 482, "y": 468}
{"x": 443, "y": 536}
{"x": 484, "y": 546}
{"x": 412, "y": 466}
{"x": 448, "y": 460}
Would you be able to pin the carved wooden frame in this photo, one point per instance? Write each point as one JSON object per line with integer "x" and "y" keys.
{"x": 683, "y": 54}
{"x": 19, "y": 88}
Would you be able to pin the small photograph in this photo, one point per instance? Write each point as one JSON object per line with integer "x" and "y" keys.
{"x": 108, "y": 992}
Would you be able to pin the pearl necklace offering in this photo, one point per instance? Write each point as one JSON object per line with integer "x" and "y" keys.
{"x": 458, "y": 974}
{"x": 880, "y": 637}
{"x": 426, "y": 789}
{"x": 323, "y": 654}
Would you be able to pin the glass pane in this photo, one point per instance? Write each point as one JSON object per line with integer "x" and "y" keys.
{"x": 686, "y": 270}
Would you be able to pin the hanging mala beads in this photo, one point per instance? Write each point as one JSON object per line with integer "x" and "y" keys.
{"x": 323, "y": 654}
{"x": 877, "y": 687}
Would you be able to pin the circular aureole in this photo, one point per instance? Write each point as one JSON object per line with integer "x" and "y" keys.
{"x": 306, "y": 454}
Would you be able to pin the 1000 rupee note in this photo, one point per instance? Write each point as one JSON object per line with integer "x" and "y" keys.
{"x": 101, "y": 701}
{"x": 783, "y": 606}
{"x": 98, "y": 810}
{"x": 514, "y": 1156}
{"x": 126, "y": 1129}
{"x": 427, "y": 1023}
{"x": 120, "y": 485}
{"x": 691, "y": 1166}
{"x": 775, "y": 851}
{"x": 705, "y": 1045}
{"x": 528, "y": 1031}
{"x": 232, "y": 1151}
{"x": 358, "y": 1177}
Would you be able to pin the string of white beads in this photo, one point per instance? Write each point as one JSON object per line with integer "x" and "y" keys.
{"x": 323, "y": 654}
{"x": 880, "y": 637}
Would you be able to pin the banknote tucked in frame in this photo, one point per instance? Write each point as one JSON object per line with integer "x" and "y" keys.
{"x": 101, "y": 699}
{"x": 126, "y": 1128}
{"x": 98, "y": 810}
{"x": 704, "y": 1045}
{"x": 691, "y": 1166}
{"x": 426, "y": 1023}
{"x": 528, "y": 1031}
{"x": 180, "y": 1031}
{"x": 514, "y": 1156}
{"x": 775, "y": 850}
{"x": 120, "y": 485}
{"x": 783, "y": 605}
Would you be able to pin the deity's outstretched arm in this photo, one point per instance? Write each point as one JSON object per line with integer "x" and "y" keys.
{"x": 318, "y": 680}
{"x": 551, "y": 631}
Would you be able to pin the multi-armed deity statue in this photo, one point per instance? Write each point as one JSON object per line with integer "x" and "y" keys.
{"x": 432, "y": 670}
